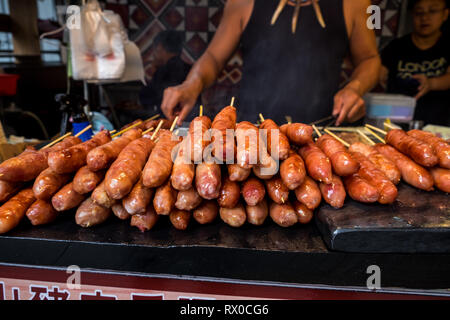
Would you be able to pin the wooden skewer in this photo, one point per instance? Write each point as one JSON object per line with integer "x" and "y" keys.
{"x": 174, "y": 124}
{"x": 157, "y": 129}
{"x": 277, "y": 12}
{"x": 337, "y": 138}
{"x": 366, "y": 137}
{"x": 112, "y": 131}
{"x": 295, "y": 16}
{"x": 375, "y": 135}
{"x": 126, "y": 129}
{"x": 147, "y": 131}
{"x": 232, "y": 102}
{"x": 83, "y": 131}
{"x": 343, "y": 129}
{"x": 375, "y": 128}
{"x": 201, "y": 111}
{"x": 389, "y": 126}
{"x": 318, "y": 13}
{"x": 261, "y": 118}
{"x": 156, "y": 116}
{"x": 57, "y": 140}
{"x": 317, "y": 130}
{"x": 288, "y": 119}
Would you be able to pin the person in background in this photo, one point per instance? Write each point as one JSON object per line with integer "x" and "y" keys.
{"x": 418, "y": 64}
{"x": 171, "y": 70}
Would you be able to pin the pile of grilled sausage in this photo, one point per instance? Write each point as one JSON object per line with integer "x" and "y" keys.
{"x": 136, "y": 177}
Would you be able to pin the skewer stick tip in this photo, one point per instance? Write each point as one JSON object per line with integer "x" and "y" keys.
{"x": 57, "y": 140}
{"x": 316, "y": 130}
{"x": 201, "y": 111}
{"x": 375, "y": 128}
{"x": 156, "y": 116}
{"x": 157, "y": 129}
{"x": 261, "y": 117}
{"x": 147, "y": 131}
{"x": 362, "y": 134}
{"x": 174, "y": 124}
{"x": 83, "y": 131}
{"x": 232, "y": 101}
{"x": 375, "y": 135}
{"x": 345, "y": 143}
{"x": 127, "y": 129}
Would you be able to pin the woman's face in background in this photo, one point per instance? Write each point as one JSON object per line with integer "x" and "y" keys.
{"x": 428, "y": 16}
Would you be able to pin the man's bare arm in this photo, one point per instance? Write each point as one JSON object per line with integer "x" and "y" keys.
{"x": 206, "y": 70}
{"x": 348, "y": 102}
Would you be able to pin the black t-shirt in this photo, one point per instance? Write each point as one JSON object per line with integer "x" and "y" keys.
{"x": 404, "y": 59}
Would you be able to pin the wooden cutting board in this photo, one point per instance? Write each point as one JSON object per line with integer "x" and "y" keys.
{"x": 417, "y": 221}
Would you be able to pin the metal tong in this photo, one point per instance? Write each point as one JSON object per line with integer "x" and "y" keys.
{"x": 298, "y": 4}
{"x": 332, "y": 118}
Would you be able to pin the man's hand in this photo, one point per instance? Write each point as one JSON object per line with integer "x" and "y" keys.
{"x": 424, "y": 86}
{"x": 348, "y": 105}
{"x": 179, "y": 101}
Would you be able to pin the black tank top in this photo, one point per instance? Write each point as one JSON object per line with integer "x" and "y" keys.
{"x": 291, "y": 74}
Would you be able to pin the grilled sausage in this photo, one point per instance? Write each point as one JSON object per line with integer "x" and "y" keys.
{"x": 8, "y": 189}
{"x": 223, "y": 141}
{"x": 30, "y": 163}
{"x": 247, "y": 143}
{"x": 368, "y": 171}
{"x": 299, "y": 133}
{"x": 360, "y": 189}
{"x": 253, "y": 191}
{"x": 12, "y": 212}
{"x": 159, "y": 164}
{"x": 127, "y": 169}
{"x": 199, "y": 137}
{"x": 277, "y": 190}
{"x": 309, "y": 193}
{"x": 256, "y": 215}
{"x": 48, "y": 183}
{"x": 283, "y": 214}
{"x": 188, "y": 200}
{"x": 304, "y": 214}
{"x": 234, "y": 217}
{"x": 183, "y": 170}
{"x": 419, "y": 151}
{"x": 440, "y": 147}
{"x": 388, "y": 167}
{"x": 67, "y": 198}
{"x": 333, "y": 193}
{"x": 292, "y": 171}
{"x": 208, "y": 180}
{"x": 90, "y": 214}
{"x": 145, "y": 221}
{"x": 180, "y": 219}
{"x": 41, "y": 212}
{"x": 342, "y": 162}
{"x": 120, "y": 212}
{"x": 165, "y": 198}
{"x": 267, "y": 166}
{"x": 101, "y": 197}
{"x": 230, "y": 193}
{"x": 317, "y": 163}
{"x": 412, "y": 173}
{"x": 86, "y": 181}
{"x": 206, "y": 212}
{"x": 73, "y": 158}
{"x": 441, "y": 178}
{"x": 138, "y": 199}
{"x": 279, "y": 148}
{"x": 237, "y": 173}
{"x": 103, "y": 156}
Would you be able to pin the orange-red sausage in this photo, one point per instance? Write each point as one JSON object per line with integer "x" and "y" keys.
{"x": 440, "y": 147}
{"x": 86, "y": 180}
{"x": 292, "y": 171}
{"x": 441, "y": 178}
{"x": 8, "y": 189}
{"x": 48, "y": 183}
{"x": 230, "y": 193}
{"x": 304, "y": 214}
{"x": 419, "y": 151}
{"x": 165, "y": 198}
{"x": 120, "y": 212}
{"x": 73, "y": 158}
{"x": 236, "y": 173}
{"x": 253, "y": 191}
{"x": 223, "y": 144}
{"x": 277, "y": 190}
{"x": 317, "y": 163}
{"x": 12, "y": 212}
{"x": 247, "y": 144}
{"x": 138, "y": 199}
{"x": 333, "y": 193}
{"x": 41, "y": 212}
{"x": 188, "y": 200}
{"x": 283, "y": 214}
{"x": 257, "y": 214}
{"x": 199, "y": 137}
{"x": 208, "y": 180}
{"x": 342, "y": 162}
{"x": 412, "y": 173}
{"x": 360, "y": 189}
{"x": 234, "y": 217}
{"x": 90, "y": 214}
{"x": 206, "y": 212}
{"x": 309, "y": 193}
{"x": 145, "y": 221}
{"x": 101, "y": 197}
{"x": 280, "y": 147}
{"x": 180, "y": 219}
{"x": 299, "y": 133}
{"x": 183, "y": 170}
{"x": 67, "y": 198}
{"x": 103, "y": 156}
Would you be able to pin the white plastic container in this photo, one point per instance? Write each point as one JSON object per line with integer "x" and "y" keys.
{"x": 397, "y": 107}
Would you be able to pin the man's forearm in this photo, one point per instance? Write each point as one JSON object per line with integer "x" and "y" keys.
{"x": 441, "y": 83}
{"x": 204, "y": 72}
{"x": 366, "y": 75}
